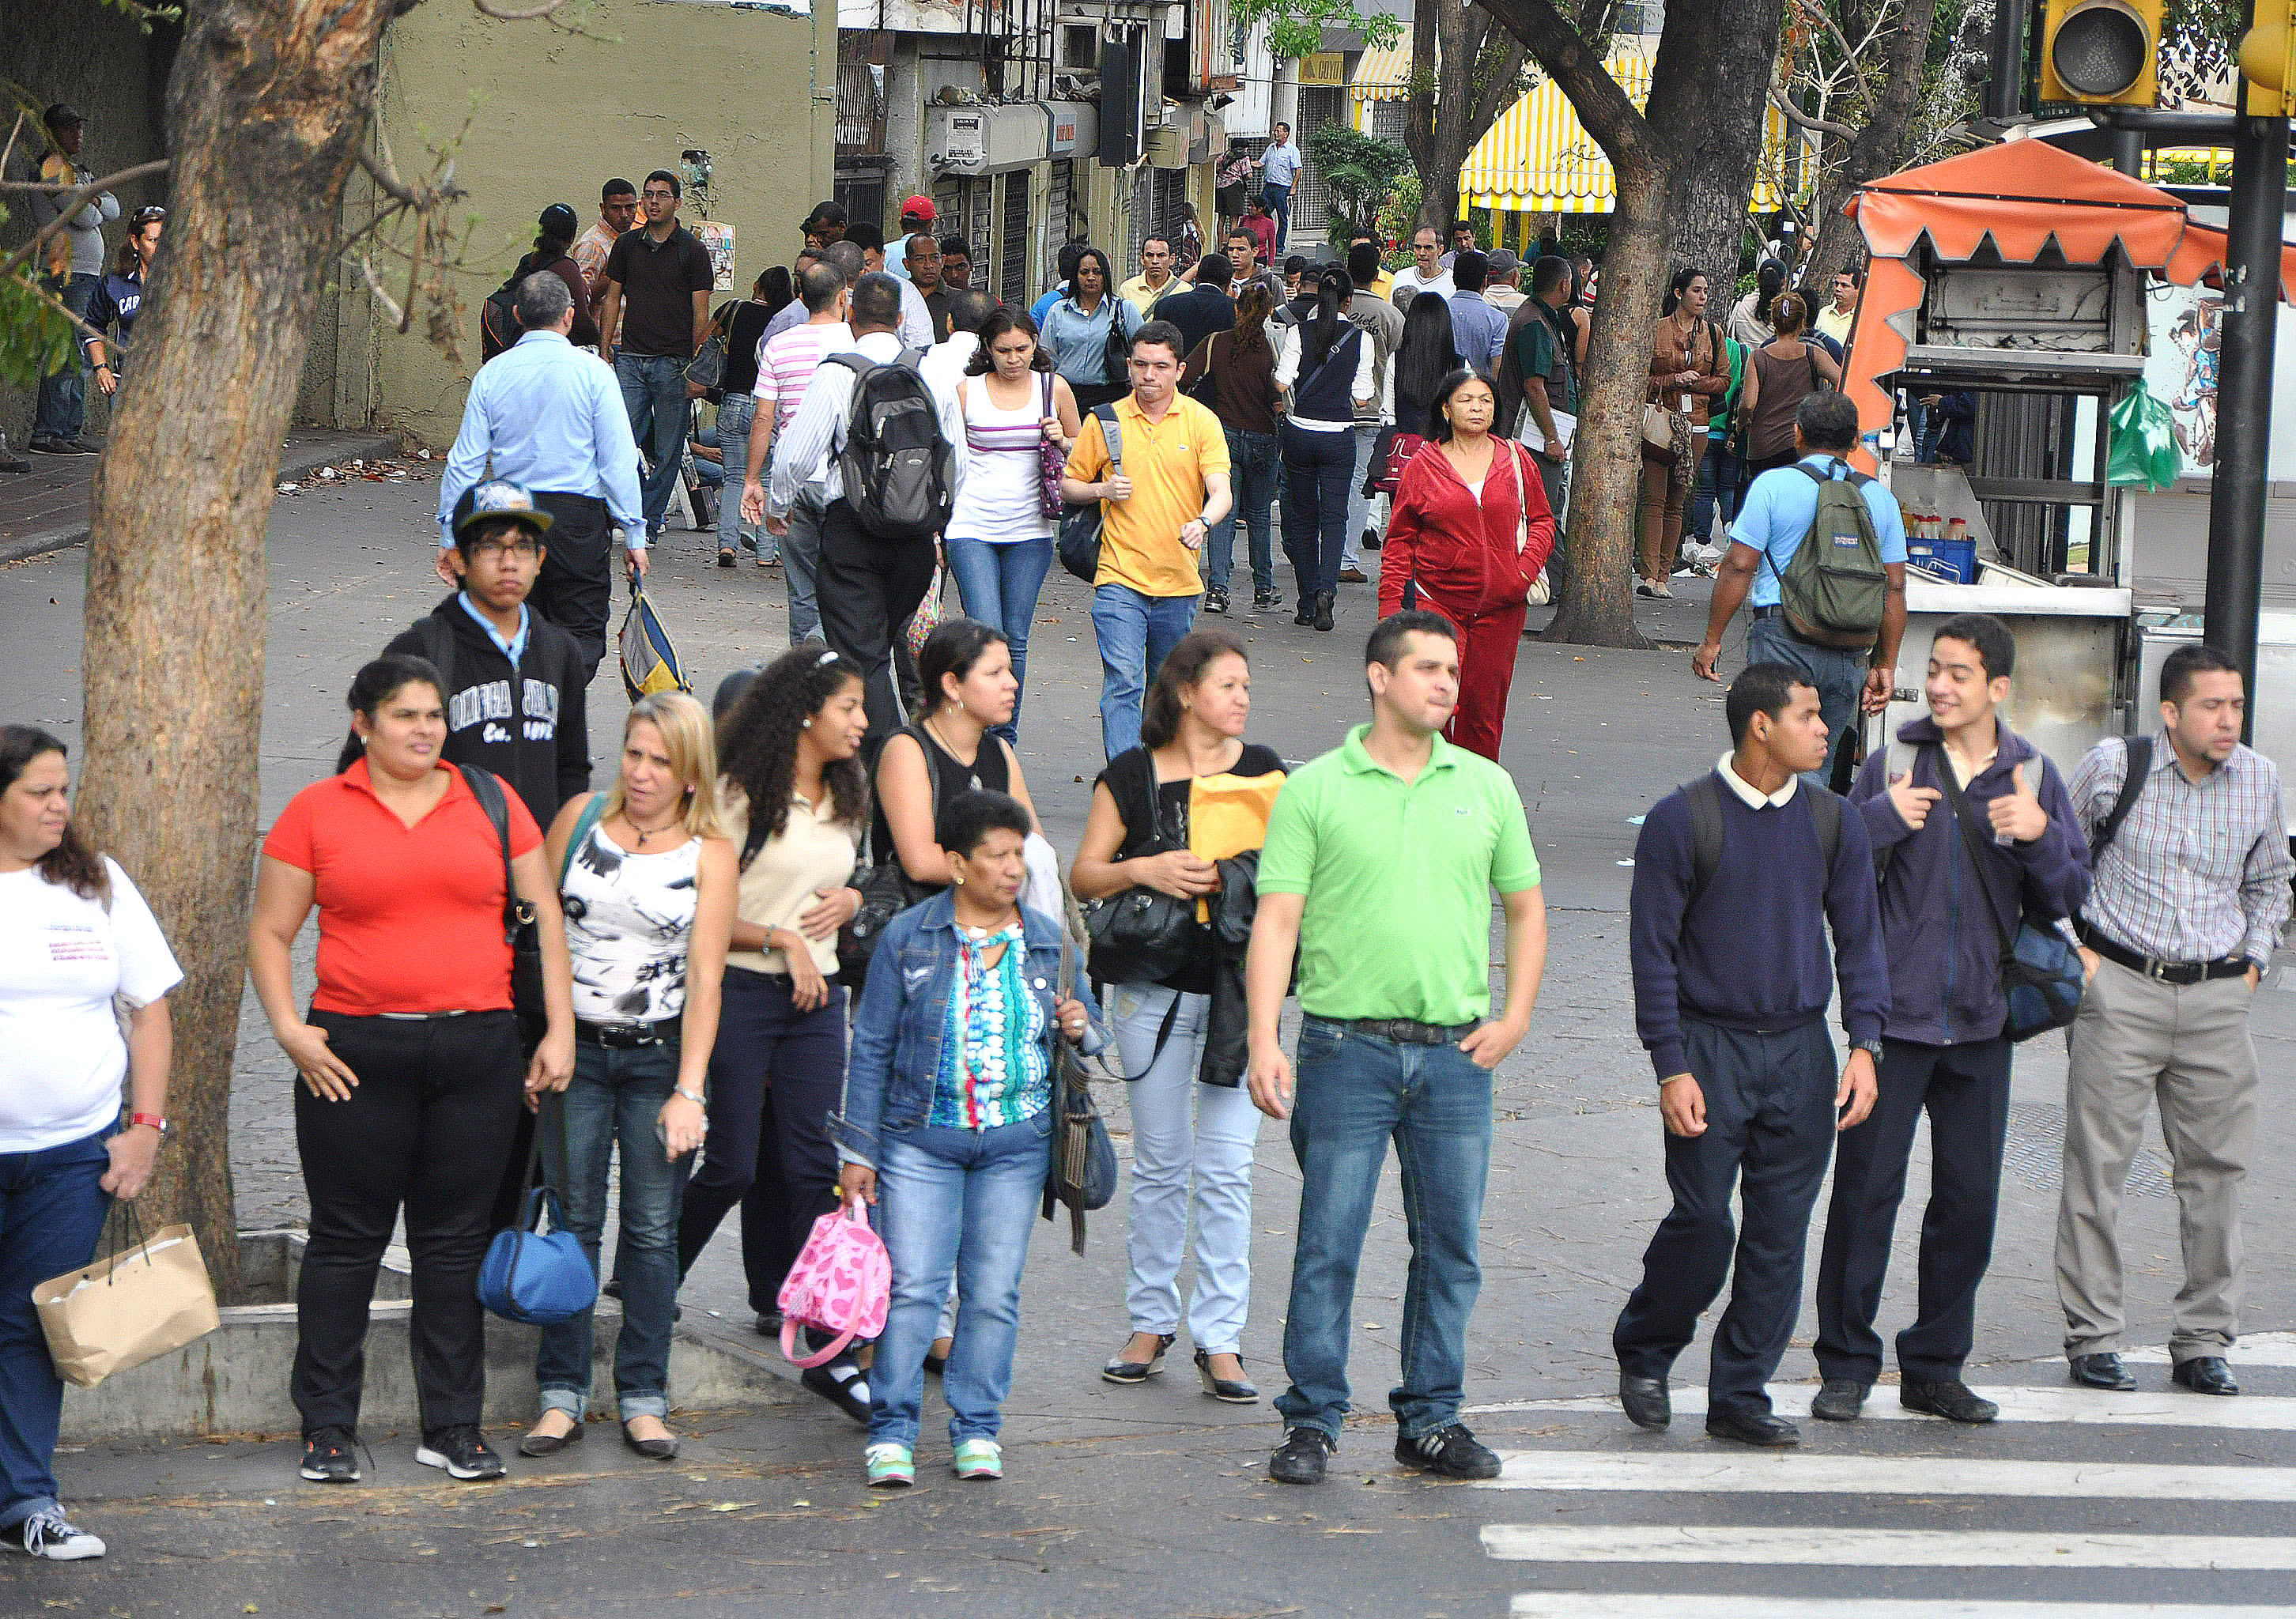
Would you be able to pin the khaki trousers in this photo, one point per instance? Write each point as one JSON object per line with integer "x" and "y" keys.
{"x": 2135, "y": 1042}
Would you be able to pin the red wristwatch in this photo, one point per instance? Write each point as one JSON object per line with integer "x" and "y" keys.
{"x": 153, "y": 1119}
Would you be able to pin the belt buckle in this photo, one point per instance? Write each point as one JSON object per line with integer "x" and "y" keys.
{"x": 2156, "y": 969}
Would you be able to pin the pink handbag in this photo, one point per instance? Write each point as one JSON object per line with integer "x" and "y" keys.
{"x": 843, "y": 1282}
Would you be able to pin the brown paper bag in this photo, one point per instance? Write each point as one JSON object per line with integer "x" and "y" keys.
{"x": 123, "y": 1311}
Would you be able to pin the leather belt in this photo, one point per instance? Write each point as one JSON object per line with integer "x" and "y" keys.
{"x": 1770, "y": 611}
{"x": 628, "y": 1036}
{"x": 1408, "y": 1030}
{"x": 2161, "y": 971}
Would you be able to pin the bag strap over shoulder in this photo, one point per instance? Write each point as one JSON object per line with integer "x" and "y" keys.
{"x": 1976, "y": 842}
{"x": 488, "y": 790}
{"x": 1111, "y": 433}
{"x": 583, "y": 825}
{"x": 2132, "y": 786}
{"x": 1704, "y": 796}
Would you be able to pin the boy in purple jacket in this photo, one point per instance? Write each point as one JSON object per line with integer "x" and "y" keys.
{"x": 1944, "y": 914}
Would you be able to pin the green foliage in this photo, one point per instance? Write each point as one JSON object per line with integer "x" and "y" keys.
{"x": 1399, "y": 215}
{"x": 1359, "y": 170}
{"x": 1295, "y": 28}
{"x": 36, "y": 339}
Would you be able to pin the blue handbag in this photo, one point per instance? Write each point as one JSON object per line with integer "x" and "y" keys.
{"x": 529, "y": 1276}
{"x": 2041, "y": 975}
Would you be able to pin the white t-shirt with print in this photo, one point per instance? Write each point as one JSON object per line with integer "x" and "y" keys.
{"x": 63, "y": 957}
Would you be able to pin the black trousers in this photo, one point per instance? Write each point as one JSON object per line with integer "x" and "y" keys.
{"x": 1964, "y": 1089}
{"x": 867, "y": 589}
{"x": 425, "y": 1128}
{"x": 775, "y": 1076}
{"x": 1769, "y": 1130}
{"x": 575, "y": 589}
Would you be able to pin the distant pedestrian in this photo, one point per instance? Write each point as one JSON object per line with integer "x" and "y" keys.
{"x": 1469, "y": 539}
{"x": 1203, "y": 306}
{"x": 1427, "y": 272}
{"x": 1240, "y": 364}
{"x": 120, "y": 299}
{"x": 955, "y": 264}
{"x": 1747, "y": 1086}
{"x": 552, "y": 242}
{"x": 1065, "y": 263}
{"x": 658, "y": 283}
{"x": 85, "y": 974}
{"x": 1381, "y": 860}
{"x": 1246, "y": 262}
{"x": 1750, "y": 316}
{"x": 953, "y": 1153}
{"x": 825, "y": 224}
{"x": 1687, "y": 371}
{"x": 1479, "y": 328}
{"x": 1155, "y": 513}
{"x": 618, "y": 215}
{"x": 918, "y": 215}
{"x": 1147, "y": 290}
{"x": 1539, "y": 374}
{"x": 1280, "y": 166}
{"x": 921, "y": 263}
{"x": 1971, "y": 831}
{"x": 1500, "y": 287}
{"x": 410, "y": 1059}
{"x": 1463, "y": 241}
{"x": 1382, "y": 328}
{"x": 1260, "y": 224}
{"x": 2191, "y": 892}
{"x": 743, "y": 325}
{"x": 1234, "y": 176}
{"x": 914, "y": 326}
{"x": 1324, "y": 367}
{"x": 1841, "y": 313}
{"x": 550, "y": 421}
{"x": 951, "y": 749}
{"x": 1379, "y": 283}
{"x": 1782, "y": 373}
{"x": 1089, "y": 331}
{"x": 72, "y": 268}
{"x": 786, "y": 362}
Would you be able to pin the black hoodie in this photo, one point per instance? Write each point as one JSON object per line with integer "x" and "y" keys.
{"x": 540, "y": 743}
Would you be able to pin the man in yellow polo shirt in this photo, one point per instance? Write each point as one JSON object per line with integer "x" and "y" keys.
{"x": 1378, "y": 868}
{"x": 1154, "y": 513}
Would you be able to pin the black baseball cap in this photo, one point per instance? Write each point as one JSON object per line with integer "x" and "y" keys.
{"x": 496, "y": 500}
{"x": 61, "y": 114}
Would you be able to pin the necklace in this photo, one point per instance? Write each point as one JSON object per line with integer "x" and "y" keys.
{"x": 645, "y": 832}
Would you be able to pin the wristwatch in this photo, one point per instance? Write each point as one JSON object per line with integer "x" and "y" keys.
{"x": 155, "y": 1120}
{"x": 1872, "y": 1048}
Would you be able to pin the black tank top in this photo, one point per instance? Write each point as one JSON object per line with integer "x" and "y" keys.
{"x": 990, "y": 771}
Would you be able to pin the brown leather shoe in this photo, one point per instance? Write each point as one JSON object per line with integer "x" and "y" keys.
{"x": 1353, "y": 575}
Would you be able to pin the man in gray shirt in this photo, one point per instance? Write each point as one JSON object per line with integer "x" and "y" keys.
{"x": 59, "y": 426}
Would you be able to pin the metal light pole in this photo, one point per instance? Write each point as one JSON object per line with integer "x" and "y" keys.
{"x": 2004, "y": 92}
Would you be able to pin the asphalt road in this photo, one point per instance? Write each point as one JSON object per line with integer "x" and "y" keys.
{"x": 1153, "y": 1500}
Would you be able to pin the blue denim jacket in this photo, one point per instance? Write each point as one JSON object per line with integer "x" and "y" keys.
{"x": 895, "y": 1058}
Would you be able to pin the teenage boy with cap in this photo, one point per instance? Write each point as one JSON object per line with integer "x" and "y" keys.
{"x": 73, "y": 266}
{"x": 918, "y": 217}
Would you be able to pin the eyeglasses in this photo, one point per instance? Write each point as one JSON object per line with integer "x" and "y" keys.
{"x": 494, "y": 550}
{"x": 657, "y": 196}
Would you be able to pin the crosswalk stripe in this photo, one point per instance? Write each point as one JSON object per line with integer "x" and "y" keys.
{"x": 1704, "y": 1473}
{"x": 1883, "y": 1547}
{"x": 2257, "y": 1349}
{"x": 2079, "y": 1406}
{"x": 1581, "y": 1605}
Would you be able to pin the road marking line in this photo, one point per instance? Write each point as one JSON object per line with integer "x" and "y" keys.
{"x": 2175, "y": 1409}
{"x": 1704, "y": 1472}
{"x": 1582, "y": 1605}
{"x": 1885, "y": 1548}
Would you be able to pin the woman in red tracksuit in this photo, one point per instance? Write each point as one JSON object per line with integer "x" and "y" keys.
{"x": 1470, "y": 532}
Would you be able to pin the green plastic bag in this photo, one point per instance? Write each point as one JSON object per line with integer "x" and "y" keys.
{"x": 2144, "y": 442}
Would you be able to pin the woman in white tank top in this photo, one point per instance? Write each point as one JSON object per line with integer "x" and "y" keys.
{"x": 999, "y": 540}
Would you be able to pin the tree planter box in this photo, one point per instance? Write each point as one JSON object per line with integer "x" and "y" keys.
{"x": 235, "y": 1380}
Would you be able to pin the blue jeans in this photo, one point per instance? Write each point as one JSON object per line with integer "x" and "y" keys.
{"x": 615, "y": 1098}
{"x": 998, "y": 585}
{"x": 954, "y": 1203}
{"x": 61, "y": 412}
{"x": 1252, "y": 473}
{"x": 1840, "y": 677}
{"x": 1316, "y": 467}
{"x": 1358, "y": 502}
{"x": 1277, "y": 201}
{"x": 1716, "y": 490}
{"x": 52, "y": 1212}
{"x": 653, "y": 391}
{"x": 732, "y": 430}
{"x": 1134, "y": 633}
{"x": 801, "y": 558}
{"x": 1355, "y": 1092}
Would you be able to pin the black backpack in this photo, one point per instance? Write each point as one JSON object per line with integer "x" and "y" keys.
{"x": 898, "y": 468}
{"x": 1705, "y": 798}
{"x": 498, "y": 327}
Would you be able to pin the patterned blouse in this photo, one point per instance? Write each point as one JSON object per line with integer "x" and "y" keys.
{"x": 994, "y": 1070}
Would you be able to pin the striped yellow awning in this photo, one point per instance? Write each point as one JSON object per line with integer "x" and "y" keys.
{"x": 1383, "y": 75}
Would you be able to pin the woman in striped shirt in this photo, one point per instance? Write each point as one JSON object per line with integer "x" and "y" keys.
{"x": 947, "y": 1117}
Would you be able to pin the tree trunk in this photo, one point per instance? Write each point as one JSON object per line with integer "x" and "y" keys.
{"x": 1448, "y": 44}
{"x": 266, "y": 110}
{"x": 1711, "y": 228}
{"x": 1876, "y": 150}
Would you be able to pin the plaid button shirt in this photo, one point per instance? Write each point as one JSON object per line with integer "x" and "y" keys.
{"x": 2200, "y": 870}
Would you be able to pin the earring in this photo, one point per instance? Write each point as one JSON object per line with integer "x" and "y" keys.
{"x": 958, "y": 879}
{"x": 806, "y": 723}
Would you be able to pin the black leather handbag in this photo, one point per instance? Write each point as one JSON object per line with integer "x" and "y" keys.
{"x": 1142, "y": 934}
{"x": 1083, "y": 1173}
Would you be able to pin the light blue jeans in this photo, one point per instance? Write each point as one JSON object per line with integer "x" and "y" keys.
{"x": 1134, "y": 633}
{"x": 954, "y": 1203}
{"x": 800, "y": 557}
{"x": 1358, "y": 502}
{"x": 1178, "y": 1162}
{"x": 998, "y": 583}
{"x": 1838, "y": 675}
{"x": 653, "y": 392}
{"x": 733, "y": 418}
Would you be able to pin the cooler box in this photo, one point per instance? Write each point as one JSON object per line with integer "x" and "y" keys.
{"x": 1953, "y": 560}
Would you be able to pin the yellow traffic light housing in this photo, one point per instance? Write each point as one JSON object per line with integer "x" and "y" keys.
{"x": 2101, "y": 53}
{"x": 2267, "y": 62}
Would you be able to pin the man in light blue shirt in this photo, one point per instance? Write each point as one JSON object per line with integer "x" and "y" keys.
{"x": 1478, "y": 331}
{"x": 1279, "y": 169}
{"x": 1778, "y": 511}
{"x": 546, "y": 415}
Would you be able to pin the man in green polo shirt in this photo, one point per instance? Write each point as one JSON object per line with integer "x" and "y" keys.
{"x": 1379, "y": 867}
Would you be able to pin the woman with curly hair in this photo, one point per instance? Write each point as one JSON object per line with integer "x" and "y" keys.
{"x": 794, "y": 800}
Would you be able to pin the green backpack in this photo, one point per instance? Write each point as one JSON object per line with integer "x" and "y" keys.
{"x": 1834, "y": 586}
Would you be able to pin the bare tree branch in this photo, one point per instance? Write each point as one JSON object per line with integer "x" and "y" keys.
{"x": 1803, "y": 121}
{"x": 381, "y": 296}
{"x": 70, "y": 205}
{"x": 386, "y": 178}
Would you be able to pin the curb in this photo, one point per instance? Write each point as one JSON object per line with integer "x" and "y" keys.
{"x": 297, "y": 461}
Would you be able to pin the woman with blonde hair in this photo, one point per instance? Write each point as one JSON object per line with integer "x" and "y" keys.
{"x": 646, "y": 878}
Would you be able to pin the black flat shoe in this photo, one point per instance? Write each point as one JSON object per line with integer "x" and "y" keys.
{"x": 842, "y": 1383}
{"x": 1841, "y": 1399}
{"x": 1753, "y": 1428}
{"x": 652, "y": 1449}
{"x": 1234, "y": 1391}
{"x": 2103, "y": 1371}
{"x": 2204, "y": 1374}
{"x": 1121, "y": 1370}
{"x": 1307, "y": 614}
{"x": 1645, "y": 1401}
{"x": 549, "y": 1444}
{"x": 725, "y": 558}
{"x": 1950, "y": 1399}
{"x": 1299, "y": 1459}
{"x": 1323, "y": 600}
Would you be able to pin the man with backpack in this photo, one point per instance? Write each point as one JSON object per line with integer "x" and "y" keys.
{"x": 2190, "y": 869}
{"x": 1972, "y": 830}
{"x": 1835, "y": 610}
{"x": 879, "y": 446}
{"x": 1747, "y": 1086}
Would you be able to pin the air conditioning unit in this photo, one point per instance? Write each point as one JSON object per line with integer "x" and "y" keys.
{"x": 1167, "y": 146}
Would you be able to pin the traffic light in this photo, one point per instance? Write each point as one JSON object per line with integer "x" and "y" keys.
{"x": 2267, "y": 62}
{"x": 2100, "y": 52}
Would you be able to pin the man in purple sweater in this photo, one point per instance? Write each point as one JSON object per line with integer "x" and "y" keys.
{"x": 1946, "y": 914}
{"x": 1737, "y": 877}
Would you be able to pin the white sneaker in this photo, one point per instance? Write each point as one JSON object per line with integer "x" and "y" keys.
{"x": 47, "y": 1534}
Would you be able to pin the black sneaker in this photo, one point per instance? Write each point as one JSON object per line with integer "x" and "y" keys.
{"x": 51, "y": 446}
{"x": 47, "y": 1533}
{"x": 1448, "y": 1452}
{"x": 330, "y": 1457}
{"x": 1299, "y": 1459}
{"x": 1216, "y": 602}
{"x": 1262, "y": 599}
{"x": 461, "y": 1451}
{"x": 1306, "y": 613}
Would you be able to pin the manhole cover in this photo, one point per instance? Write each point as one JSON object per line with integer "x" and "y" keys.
{"x": 2035, "y": 1153}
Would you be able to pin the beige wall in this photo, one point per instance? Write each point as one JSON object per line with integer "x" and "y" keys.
{"x": 555, "y": 115}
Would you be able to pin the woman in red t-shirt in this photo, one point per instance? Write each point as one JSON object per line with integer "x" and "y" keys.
{"x": 410, "y": 1058}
